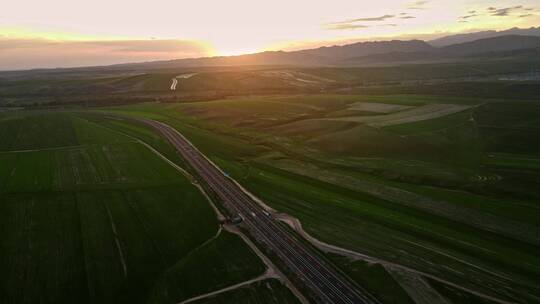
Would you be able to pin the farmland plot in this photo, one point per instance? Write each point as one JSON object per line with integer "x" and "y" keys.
{"x": 97, "y": 218}
{"x": 38, "y": 131}
{"x": 223, "y": 262}
{"x": 264, "y": 292}
{"x": 378, "y": 107}
{"x": 426, "y": 112}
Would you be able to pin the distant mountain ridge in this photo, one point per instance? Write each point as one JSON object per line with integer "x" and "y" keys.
{"x": 369, "y": 53}
{"x": 319, "y": 56}
{"x": 367, "y": 48}
{"x": 468, "y": 37}
{"x": 494, "y": 48}
{"x": 495, "y": 44}
{"x": 502, "y": 45}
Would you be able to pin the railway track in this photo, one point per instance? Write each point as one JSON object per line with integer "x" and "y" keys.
{"x": 325, "y": 283}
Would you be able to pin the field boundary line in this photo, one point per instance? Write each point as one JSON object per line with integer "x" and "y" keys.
{"x": 65, "y": 147}
{"x": 116, "y": 239}
{"x": 133, "y": 207}
{"x": 416, "y": 287}
{"x": 264, "y": 276}
{"x": 218, "y": 233}
{"x": 45, "y": 149}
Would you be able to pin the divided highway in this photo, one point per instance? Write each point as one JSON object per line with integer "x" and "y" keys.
{"x": 326, "y": 285}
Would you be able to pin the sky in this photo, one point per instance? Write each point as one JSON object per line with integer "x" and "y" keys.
{"x": 65, "y": 33}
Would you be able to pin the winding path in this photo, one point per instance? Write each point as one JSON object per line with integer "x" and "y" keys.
{"x": 183, "y": 76}
{"x": 267, "y": 275}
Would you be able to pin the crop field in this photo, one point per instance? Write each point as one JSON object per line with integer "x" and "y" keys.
{"x": 268, "y": 291}
{"x": 375, "y": 278}
{"x": 90, "y": 215}
{"x": 431, "y": 125}
{"x": 504, "y": 160}
{"x": 447, "y": 196}
{"x": 37, "y": 132}
{"x": 374, "y": 107}
{"x": 418, "y": 114}
{"x": 376, "y": 227}
{"x": 221, "y": 263}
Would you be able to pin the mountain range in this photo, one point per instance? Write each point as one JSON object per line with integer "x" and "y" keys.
{"x": 515, "y": 43}
{"x": 376, "y": 53}
{"x": 468, "y": 37}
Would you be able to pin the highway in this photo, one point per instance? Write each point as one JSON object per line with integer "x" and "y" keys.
{"x": 324, "y": 283}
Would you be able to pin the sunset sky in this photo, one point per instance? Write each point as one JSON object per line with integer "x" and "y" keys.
{"x": 59, "y": 33}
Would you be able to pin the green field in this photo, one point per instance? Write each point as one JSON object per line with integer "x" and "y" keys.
{"x": 445, "y": 196}
{"x": 223, "y": 262}
{"x": 89, "y": 215}
{"x": 375, "y": 279}
{"x": 268, "y": 291}
{"x": 89, "y": 212}
{"x": 37, "y": 132}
